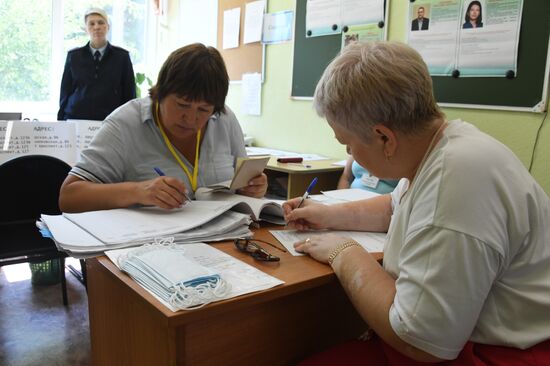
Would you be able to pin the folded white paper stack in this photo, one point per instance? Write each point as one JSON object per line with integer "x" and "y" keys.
{"x": 91, "y": 233}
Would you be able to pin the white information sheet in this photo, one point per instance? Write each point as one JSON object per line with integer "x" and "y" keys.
{"x": 466, "y": 38}
{"x": 252, "y": 94}
{"x": 63, "y": 140}
{"x": 325, "y": 17}
{"x": 231, "y": 28}
{"x": 253, "y": 18}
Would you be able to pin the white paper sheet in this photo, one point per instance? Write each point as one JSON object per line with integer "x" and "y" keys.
{"x": 253, "y": 20}
{"x": 321, "y": 16}
{"x": 350, "y": 194}
{"x": 372, "y": 242}
{"x": 231, "y": 28}
{"x": 362, "y": 11}
{"x": 63, "y": 140}
{"x": 252, "y": 94}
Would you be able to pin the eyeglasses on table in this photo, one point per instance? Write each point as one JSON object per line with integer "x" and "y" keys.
{"x": 252, "y": 247}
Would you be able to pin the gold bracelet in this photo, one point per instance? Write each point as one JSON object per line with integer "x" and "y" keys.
{"x": 340, "y": 248}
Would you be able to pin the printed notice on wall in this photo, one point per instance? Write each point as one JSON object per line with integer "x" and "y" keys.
{"x": 63, "y": 140}
{"x": 465, "y": 37}
{"x": 252, "y": 94}
{"x": 325, "y": 17}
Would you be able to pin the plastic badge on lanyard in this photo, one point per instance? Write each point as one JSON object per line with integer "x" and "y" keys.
{"x": 164, "y": 269}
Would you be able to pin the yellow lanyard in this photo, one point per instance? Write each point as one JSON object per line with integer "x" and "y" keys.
{"x": 192, "y": 178}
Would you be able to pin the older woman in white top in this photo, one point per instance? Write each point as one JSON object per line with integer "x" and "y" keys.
{"x": 466, "y": 272}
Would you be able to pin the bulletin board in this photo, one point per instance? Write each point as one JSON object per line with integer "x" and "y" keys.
{"x": 525, "y": 92}
{"x": 247, "y": 58}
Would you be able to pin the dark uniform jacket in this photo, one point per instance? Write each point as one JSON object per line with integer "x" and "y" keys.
{"x": 90, "y": 91}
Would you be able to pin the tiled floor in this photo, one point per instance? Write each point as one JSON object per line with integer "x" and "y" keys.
{"x": 35, "y": 327}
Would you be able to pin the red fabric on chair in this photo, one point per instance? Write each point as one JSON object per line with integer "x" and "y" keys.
{"x": 375, "y": 352}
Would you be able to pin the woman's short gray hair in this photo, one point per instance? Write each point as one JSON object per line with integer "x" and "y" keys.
{"x": 377, "y": 82}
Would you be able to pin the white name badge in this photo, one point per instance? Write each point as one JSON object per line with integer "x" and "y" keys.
{"x": 369, "y": 180}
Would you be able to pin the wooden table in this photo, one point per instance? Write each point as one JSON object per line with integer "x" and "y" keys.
{"x": 279, "y": 326}
{"x": 297, "y": 176}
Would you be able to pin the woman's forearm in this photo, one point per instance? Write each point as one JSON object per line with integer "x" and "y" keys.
{"x": 372, "y": 214}
{"x": 77, "y": 195}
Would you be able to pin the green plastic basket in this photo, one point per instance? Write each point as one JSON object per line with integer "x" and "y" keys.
{"x": 45, "y": 273}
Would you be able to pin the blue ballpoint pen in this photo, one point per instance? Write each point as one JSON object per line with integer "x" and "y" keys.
{"x": 161, "y": 174}
{"x": 308, "y": 191}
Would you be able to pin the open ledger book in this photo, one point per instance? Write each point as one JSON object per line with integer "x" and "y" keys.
{"x": 198, "y": 220}
{"x": 258, "y": 208}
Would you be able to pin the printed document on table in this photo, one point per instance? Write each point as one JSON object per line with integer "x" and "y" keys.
{"x": 372, "y": 242}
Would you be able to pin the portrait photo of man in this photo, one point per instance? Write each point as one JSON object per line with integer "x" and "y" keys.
{"x": 420, "y": 22}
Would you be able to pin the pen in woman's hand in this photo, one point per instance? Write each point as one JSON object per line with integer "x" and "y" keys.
{"x": 307, "y": 192}
{"x": 161, "y": 174}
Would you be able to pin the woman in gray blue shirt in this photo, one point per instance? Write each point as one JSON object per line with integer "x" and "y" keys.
{"x": 183, "y": 128}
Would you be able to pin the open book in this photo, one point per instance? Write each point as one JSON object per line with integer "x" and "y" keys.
{"x": 258, "y": 208}
{"x": 245, "y": 170}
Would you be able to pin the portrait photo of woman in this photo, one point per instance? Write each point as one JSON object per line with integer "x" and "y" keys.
{"x": 473, "y": 17}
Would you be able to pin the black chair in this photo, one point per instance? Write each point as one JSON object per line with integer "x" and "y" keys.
{"x": 30, "y": 187}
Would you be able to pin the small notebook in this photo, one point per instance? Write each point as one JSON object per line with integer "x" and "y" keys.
{"x": 246, "y": 169}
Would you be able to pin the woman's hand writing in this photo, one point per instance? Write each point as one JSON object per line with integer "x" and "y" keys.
{"x": 164, "y": 192}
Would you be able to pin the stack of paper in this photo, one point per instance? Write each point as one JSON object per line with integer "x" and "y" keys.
{"x": 90, "y": 233}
